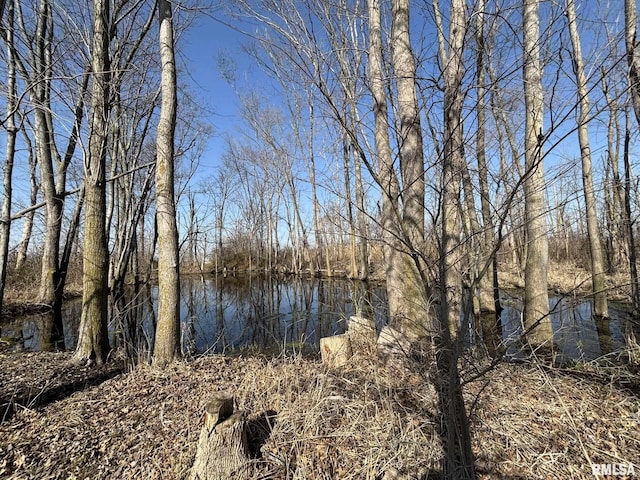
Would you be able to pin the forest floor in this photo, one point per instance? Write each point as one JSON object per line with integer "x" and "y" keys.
{"x": 307, "y": 421}
{"x": 366, "y": 421}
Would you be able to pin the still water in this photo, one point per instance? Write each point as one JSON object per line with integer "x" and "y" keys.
{"x": 222, "y": 314}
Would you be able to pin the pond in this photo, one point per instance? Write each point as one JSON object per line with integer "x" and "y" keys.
{"x": 270, "y": 314}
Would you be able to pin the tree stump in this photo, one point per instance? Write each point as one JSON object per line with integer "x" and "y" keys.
{"x": 362, "y": 333}
{"x": 222, "y": 447}
{"x": 336, "y": 350}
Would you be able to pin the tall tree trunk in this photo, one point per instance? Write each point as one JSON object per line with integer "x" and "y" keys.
{"x": 12, "y": 131}
{"x": 411, "y": 155}
{"x": 452, "y": 174}
{"x": 363, "y": 247}
{"x": 619, "y": 248}
{"x": 633, "y": 57}
{"x": 167, "y": 339}
{"x": 49, "y": 282}
{"x": 489, "y": 297}
{"x": 314, "y": 193}
{"x": 633, "y": 61}
{"x": 536, "y": 298}
{"x": 387, "y": 175}
{"x": 597, "y": 258}
{"x": 93, "y": 341}
{"x": 346, "y": 159}
{"x": 408, "y": 267}
{"x": 633, "y": 262}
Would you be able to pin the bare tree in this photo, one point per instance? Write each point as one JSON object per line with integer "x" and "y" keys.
{"x": 633, "y": 61}
{"x": 35, "y": 63}
{"x": 12, "y": 132}
{"x": 167, "y": 338}
{"x": 387, "y": 174}
{"x": 459, "y": 457}
{"x": 595, "y": 245}
{"x": 93, "y": 341}
{"x": 536, "y": 298}
{"x": 489, "y": 297}
{"x": 412, "y": 187}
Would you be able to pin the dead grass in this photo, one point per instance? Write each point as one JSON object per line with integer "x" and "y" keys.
{"x": 358, "y": 423}
{"x": 567, "y": 278}
{"x": 532, "y": 423}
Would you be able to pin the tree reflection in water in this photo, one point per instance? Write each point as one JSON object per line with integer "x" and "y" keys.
{"x": 266, "y": 313}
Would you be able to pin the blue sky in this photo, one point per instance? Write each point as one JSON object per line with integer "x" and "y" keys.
{"x": 200, "y": 49}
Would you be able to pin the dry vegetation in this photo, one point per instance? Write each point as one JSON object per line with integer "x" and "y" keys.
{"x": 306, "y": 421}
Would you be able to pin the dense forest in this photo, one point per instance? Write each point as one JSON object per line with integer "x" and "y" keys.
{"x": 434, "y": 146}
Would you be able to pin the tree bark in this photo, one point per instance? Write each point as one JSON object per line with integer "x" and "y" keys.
{"x": 386, "y": 172}
{"x": 633, "y": 58}
{"x": 405, "y": 280}
{"x": 49, "y": 283}
{"x": 536, "y": 299}
{"x": 167, "y": 338}
{"x": 411, "y": 156}
{"x": 633, "y": 264}
{"x": 93, "y": 341}
{"x": 336, "y": 350}
{"x": 458, "y": 461}
{"x": 27, "y": 226}
{"x": 348, "y": 200}
{"x": 222, "y": 446}
{"x": 618, "y": 247}
{"x": 452, "y": 172}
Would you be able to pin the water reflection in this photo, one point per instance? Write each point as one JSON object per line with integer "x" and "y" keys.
{"x": 271, "y": 313}
{"x": 578, "y": 335}
{"x": 44, "y": 331}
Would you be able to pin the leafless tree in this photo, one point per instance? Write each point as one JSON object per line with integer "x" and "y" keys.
{"x": 93, "y": 340}
{"x": 536, "y": 299}
{"x": 167, "y": 337}
{"x": 595, "y": 245}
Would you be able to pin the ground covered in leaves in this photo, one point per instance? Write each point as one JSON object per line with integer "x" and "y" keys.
{"x": 62, "y": 421}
